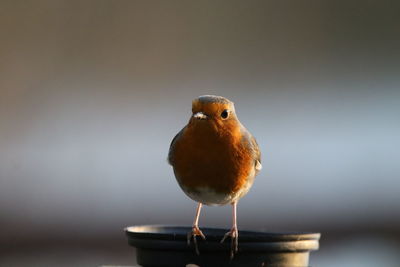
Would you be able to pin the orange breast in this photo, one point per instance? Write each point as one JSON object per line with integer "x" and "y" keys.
{"x": 202, "y": 158}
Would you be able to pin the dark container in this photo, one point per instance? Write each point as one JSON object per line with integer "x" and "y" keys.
{"x": 158, "y": 245}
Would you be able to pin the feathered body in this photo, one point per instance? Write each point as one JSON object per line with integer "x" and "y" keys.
{"x": 215, "y": 159}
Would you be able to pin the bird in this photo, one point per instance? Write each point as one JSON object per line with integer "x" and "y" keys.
{"x": 215, "y": 160}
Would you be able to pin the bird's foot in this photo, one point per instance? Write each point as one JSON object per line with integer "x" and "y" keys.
{"x": 192, "y": 234}
{"x": 234, "y": 235}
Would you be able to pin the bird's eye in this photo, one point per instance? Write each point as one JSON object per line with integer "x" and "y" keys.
{"x": 225, "y": 114}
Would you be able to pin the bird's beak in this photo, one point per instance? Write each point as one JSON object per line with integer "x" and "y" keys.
{"x": 200, "y": 116}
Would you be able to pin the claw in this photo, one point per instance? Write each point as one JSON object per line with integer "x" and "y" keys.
{"x": 195, "y": 232}
{"x": 234, "y": 235}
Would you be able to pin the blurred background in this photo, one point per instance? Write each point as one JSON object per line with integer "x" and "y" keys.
{"x": 92, "y": 93}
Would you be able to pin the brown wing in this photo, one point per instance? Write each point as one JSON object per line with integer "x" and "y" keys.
{"x": 250, "y": 142}
{"x": 172, "y": 146}
{"x": 257, "y": 154}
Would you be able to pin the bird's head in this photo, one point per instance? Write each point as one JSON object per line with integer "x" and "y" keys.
{"x": 212, "y": 111}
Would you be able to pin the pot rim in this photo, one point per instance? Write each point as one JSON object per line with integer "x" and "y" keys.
{"x": 174, "y": 237}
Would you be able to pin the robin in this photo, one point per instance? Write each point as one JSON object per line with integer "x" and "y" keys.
{"x": 215, "y": 160}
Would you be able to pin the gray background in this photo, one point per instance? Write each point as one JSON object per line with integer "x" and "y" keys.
{"x": 92, "y": 92}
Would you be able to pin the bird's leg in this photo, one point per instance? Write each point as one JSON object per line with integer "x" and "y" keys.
{"x": 233, "y": 233}
{"x": 196, "y": 230}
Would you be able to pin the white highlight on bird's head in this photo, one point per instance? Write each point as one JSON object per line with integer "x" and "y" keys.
{"x": 200, "y": 116}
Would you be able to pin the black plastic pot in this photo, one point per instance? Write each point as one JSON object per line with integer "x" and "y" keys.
{"x": 158, "y": 245}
